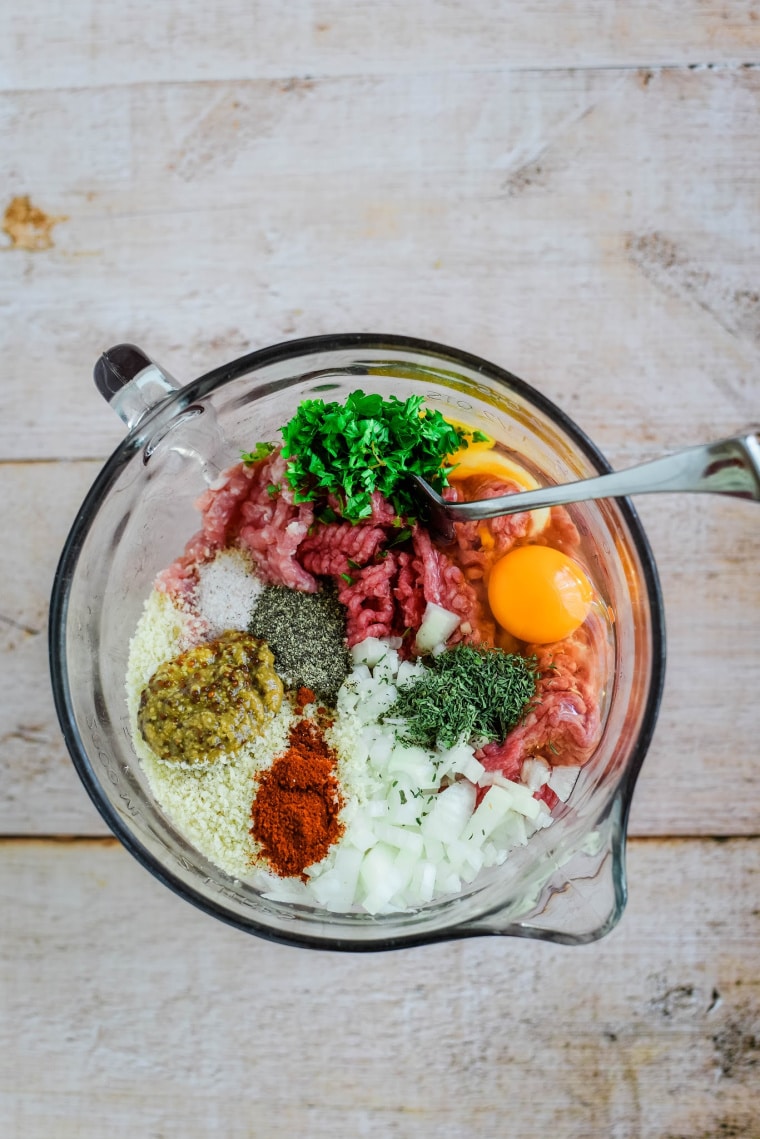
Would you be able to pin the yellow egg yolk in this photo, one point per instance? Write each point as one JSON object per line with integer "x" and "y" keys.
{"x": 539, "y": 594}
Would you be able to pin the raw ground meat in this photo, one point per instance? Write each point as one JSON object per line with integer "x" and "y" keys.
{"x": 330, "y": 547}
{"x": 444, "y": 583}
{"x": 388, "y": 588}
{"x": 479, "y": 544}
{"x": 369, "y": 601}
{"x": 241, "y": 511}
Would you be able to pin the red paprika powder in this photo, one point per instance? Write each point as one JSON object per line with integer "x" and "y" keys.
{"x": 295, "y": 811}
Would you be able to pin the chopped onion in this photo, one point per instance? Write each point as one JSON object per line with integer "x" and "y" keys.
{"x": 496, "y": 805}
{"x": 368, "y": 652}
{"x": 450, "y": 812}
{"x": 535, "y": 772}
{"x": 562, "y": 780}
{"x": 414, "y": 762}
{"x": 437, "y": 626}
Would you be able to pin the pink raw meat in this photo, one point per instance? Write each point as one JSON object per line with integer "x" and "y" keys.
{"x": 369, "y": 600}
{"x": 330, "y": 545}
{"x": 242, "y": 511}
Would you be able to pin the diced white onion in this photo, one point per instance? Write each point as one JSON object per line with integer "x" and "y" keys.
{"x": 415, "y": 763}
{"x": 450, "y": 812}
{"x": 367, "y": 653}
{"x": 437, "y": 626}
{"x": 562, "y": 780}
{"x": 494, "y": 807}
{"x": 535, "y": 772}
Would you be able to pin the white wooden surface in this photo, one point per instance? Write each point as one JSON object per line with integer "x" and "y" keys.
{"x": 570, "y": 189}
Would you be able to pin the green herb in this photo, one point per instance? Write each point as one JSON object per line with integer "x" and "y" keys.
{"x": 273, "y": 489}
{"x": 479, "y": 437}
{"x": 352, "y": 564}
{"x": 367, "y": 444}
{"x": 347, "y": 578}
{"x": 553, "y": 747}
{"x": 402, "y": 536}
{"x": 327, "y": 515}
{"x": 259, "y": 452}
{"x": 464, "y": 694}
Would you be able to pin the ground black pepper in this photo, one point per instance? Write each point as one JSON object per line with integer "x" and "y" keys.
{"x": 307, "y": 634}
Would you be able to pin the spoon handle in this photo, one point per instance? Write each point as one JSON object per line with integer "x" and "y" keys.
{"x": 729, "y": 466}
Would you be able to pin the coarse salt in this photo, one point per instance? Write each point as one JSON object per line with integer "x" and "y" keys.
{"x": 228, "y": 591}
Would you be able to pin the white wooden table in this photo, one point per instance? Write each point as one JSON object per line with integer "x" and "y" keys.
{"x": 569, "y": 189}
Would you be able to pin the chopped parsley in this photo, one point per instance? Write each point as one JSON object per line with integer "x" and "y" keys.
{"x": 402, "y": 536}
{"x": 367, "y": 444}
{"x": 259, "y": 452}
{"x": 465, "y": 693}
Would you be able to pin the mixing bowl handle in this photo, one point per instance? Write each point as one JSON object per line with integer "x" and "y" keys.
{"x": 131, "y": 382}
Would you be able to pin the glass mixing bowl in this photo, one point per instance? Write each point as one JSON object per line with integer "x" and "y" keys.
{"x": 568, "y": 884}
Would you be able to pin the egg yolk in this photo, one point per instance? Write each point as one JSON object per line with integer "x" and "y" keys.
{"x": 539, "y": 594}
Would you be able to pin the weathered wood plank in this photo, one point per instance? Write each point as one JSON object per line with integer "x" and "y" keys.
{"x": 96, "y": 43}
{"x": 701, "y": 776}
{"x": 594, "y": 232}
{"x": 128, "y": 1012}
{"x": 41, "y": 792}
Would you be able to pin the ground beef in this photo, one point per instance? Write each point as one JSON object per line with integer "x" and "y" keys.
{"x": 180, "y": 579}
{"x": 561, "y": 532}
{"x": 242, "y": 511}
{"x": 408, "y": 591}
{"x": 330, "y": 547}
{"x": 444, "y": 583}
{"x": 369, "y": 601}
{"x": 480, "y": 544}
{"x": 546, "y": 795}
{"x": 220, "y": 510}
{"x": 272, "y": 526}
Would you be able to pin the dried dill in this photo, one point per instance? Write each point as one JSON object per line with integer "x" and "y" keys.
{"x": 465, "y": 693}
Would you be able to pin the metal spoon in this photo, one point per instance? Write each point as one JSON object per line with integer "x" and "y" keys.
{"x": 730, "y": 466}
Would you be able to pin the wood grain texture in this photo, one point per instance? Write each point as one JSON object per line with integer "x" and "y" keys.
{"x": 100, "y": 42}
{"x": 594, "y": 232}
{"x": 41, "y": 791}
{"x": 129, "y": 1013}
